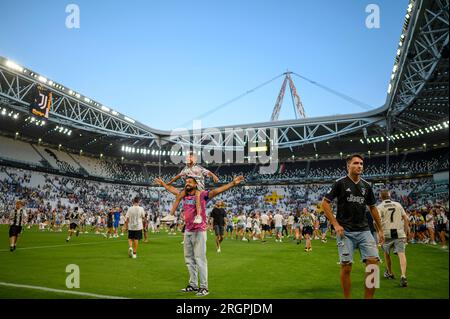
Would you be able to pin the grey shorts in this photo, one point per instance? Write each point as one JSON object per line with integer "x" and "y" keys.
{"x": 219, "y": 230}
{"x": 398, "y": 245}
{"x": 362, "y": 240}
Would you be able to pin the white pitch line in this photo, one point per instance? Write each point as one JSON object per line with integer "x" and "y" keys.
{"x": 79, "y": 244}
{"x": 66, "y": 245}
{"x": 79, "y": 293}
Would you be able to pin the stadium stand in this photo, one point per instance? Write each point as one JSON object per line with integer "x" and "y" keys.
{"x": 19, "y": 151}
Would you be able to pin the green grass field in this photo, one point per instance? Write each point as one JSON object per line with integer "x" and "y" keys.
{"x": 241, "y": 270}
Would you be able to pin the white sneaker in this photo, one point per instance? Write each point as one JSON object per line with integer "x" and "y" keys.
{"x": 218, "y": 250}
{"x": 444, "y": 247}
{"x": 130, "y": 252}
{"x": 134, "y": 256}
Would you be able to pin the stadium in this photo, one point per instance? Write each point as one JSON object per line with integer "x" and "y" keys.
{"x": 60, "y": 149}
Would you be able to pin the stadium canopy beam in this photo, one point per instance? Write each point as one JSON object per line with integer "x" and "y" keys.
{"x": 426, "y": 37}
{"x": 286, "y": 136}
{"x": 16, "y": 90}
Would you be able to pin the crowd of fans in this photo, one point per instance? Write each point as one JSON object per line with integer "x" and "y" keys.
{"x": 50, "y": 195}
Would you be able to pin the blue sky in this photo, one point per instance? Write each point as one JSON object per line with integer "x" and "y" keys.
{"x": 164, "y": 63}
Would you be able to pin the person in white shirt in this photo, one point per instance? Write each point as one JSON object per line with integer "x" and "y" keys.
{"x": 134, "y": 222}
{"x": 256, "y": 227}
{"x": 429, "y": 218}
{"x": 278, "y": 221}
{"x": 249, "y": 227}
{"x": 241, "y": 226}
{"x": 395, "y": 225}
{"x": 121, "y": 223}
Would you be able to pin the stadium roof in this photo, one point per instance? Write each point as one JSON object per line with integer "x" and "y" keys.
{"x": 415, "y": 112}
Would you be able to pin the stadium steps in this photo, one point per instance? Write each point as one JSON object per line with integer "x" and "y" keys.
{"x": 44, "y": 162}
{"x": 308, "y": 166}
{"x": 81, "y": 170}
{"x": 145, "y": 172}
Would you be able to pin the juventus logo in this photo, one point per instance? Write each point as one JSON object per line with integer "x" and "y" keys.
{"x": 43, "y": 101}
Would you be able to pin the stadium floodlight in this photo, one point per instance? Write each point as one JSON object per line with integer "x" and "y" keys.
{"x": 361, "y": 140}
{"x": 114, "y": 113}
{"x": 129, "y": 120}
{"x": 69, "y": 133}
{"x": 410, "y": 7}
{"x": 101, "y": 154}
{"x": 70, "y": 92}
{"x": 123, "y": 148}
{"x": 43, "y": 123}
{"x": 51, "y": 82}
{"x": 87, "y": 99}
{"x": 12, "y": 65}
{"x": 255, "y": 149}
{"x": 17, "y": 133}
{"x": 104, "y": 108}
{"x": 16, "y": 116}
{"x": 78, "y": 95}
{"x": 65, "y": 131}
{"x": 389, "y": 88}
{"x": 42, "y": 79}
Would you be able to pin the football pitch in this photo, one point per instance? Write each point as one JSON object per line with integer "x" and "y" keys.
{"x": 243, "y": 270}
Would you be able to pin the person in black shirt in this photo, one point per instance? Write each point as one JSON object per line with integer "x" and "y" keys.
{"x": 353, "y": 194}
{"x": 218, "y": 215}
{"x": 17, "y": 219}
{"x": 74, "y": 218}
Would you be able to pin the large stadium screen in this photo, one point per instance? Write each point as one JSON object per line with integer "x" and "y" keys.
{"x": 42, "y": 101}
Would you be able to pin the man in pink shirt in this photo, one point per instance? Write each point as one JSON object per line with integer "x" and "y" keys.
{"x": 195, "y": 233}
